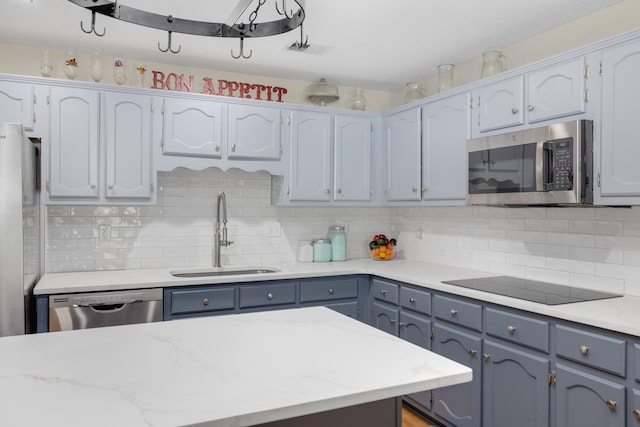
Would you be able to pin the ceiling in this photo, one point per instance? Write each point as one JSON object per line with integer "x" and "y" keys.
{"x": 374, "y": 44}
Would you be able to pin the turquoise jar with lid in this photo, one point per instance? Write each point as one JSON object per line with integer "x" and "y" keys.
{"x": 321, "y": 250}
{"x": 338, "y": 239}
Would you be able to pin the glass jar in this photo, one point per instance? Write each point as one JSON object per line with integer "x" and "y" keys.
{"x": 97, "y": 71}
{"x": 445, "y": 77}
{"x": 338, "y": 240}
{"x": 305, "y": 251}
{"x": 491, "y": 63}
{"x": 119, "y": 71}
{"x": 415, "y": 91}
{"x": 321, "y": 250}
{"x": 46, "y": 64}
{"x": 358, "y": 101}
{"x": 71, "y": 65}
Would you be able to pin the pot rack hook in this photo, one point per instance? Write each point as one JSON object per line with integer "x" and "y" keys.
{"x": 284, "y": 10}
{"x": 305, "y": 44}
{"x": 169, "y": 48}
{"x": 93, "y": 26}
{"x": 241, "y": 54}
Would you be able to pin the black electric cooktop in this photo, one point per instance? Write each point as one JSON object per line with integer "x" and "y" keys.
{"x": 532, "y": 290}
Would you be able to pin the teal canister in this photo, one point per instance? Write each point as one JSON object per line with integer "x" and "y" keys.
{"x": 321, "y": 250}
{"x": 338, "y": 240}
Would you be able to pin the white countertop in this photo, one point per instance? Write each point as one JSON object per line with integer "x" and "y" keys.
{"x": 615, "y": 314}
{"x": 228, "y": 370}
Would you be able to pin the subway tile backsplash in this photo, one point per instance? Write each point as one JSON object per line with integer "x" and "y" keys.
{"x": 597, "y": 248}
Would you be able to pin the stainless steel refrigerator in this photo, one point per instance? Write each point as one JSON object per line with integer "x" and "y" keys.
{"x": 19, "y": 229}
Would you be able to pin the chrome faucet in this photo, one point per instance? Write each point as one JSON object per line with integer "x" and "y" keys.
{"x": 220, "y": 235}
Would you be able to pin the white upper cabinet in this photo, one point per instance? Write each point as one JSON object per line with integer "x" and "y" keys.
{"x": 620, "y": 174}
{"x": 253, "y": 132}
{"x": 192, "y": 128}
{"x": 16, "y": 103}
{"x": 557, "y": 91}
{"x": 310, "y": 138}
{"x": 501, "y": 104}
{"x": 74, "y": 143}
{"x": 127, "y": 137}
{"x": 445, "y": 129}
{"x": 401, "y": 157}
{"x": 352, "y": 158}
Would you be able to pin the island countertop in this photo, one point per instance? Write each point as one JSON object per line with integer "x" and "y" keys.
{"x": 232, "y": 370}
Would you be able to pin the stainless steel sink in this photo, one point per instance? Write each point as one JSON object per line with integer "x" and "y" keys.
{"x": 206, "y": 272}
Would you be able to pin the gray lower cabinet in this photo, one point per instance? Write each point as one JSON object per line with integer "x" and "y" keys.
{"x": 339, "y": 294}
{"x": 634, "y": 408}
{"x": 459, "y": 405}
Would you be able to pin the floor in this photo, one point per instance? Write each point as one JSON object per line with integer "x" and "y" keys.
{"x": 411, "y": 419}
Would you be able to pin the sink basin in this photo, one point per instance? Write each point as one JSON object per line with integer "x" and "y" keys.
{"x": 213, "y": 272}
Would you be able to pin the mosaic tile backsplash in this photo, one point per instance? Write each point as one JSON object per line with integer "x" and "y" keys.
{"x": 597, "y": 248}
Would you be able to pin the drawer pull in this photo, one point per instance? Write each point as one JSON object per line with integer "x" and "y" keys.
{"x": 511, "y": 329}
{"x": 636, "y": 413}
{"x": 472, "y": 353}
{"x": 331, "y": 291}
{"x": 270, "y": 296}
{"x": 383, "y": 292}
{"x": 402, "y": 324}
{"x": 453, "y": 312}
{"x": 412, "y": 300}
{"x": 583, "y": 349}
{"x": 205, "y": 301}
{"x": 392, "y": 321}
{"x": 486, "y": 357}
{"x": 514, "y": 111}
{"x": 611, "y": 404}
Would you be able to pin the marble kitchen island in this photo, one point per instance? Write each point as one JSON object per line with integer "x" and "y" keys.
{"x": 233, "y": 370}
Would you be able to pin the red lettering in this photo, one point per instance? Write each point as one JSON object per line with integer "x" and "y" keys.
{"x": 208, "y": 86}
{"x": 259, "y": 89}
{"x": 280, "y": 91}
{"x": 222, "y": 85}
{"x": 233, "y": 86}
{"x": 244, "y": 90}
{"x": 184, "y": 86}
{"x": 158, "y": 80}
{"x": 175, "y": 83}
{"x": 269, "y": 93}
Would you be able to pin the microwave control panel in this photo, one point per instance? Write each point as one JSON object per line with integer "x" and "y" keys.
{"x": 561, "y": 165}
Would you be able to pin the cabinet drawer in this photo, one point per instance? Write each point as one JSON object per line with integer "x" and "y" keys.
{"x": 458, "y": 312}
{"x": 518, "y": 329}
{"x": 416, "y": 300}
{"x": 267, "y": 294}
{"x": 384, "y": 291}
{"x": 588, "y": 348}
{"x": 202, "y": 300}
{"x": 319, "y": 290}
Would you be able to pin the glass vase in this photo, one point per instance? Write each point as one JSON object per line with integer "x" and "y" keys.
{"x": 445, "y": 77}
{"x": 358, "y": 100}
{"x": 491, "y": 63}
{"x": 71, "y": 65}
{"x": 46, "y": 64}
{"x": 415, "y": 91}
{"x": 97, "y": 71}
{"x": 119, "y": 71}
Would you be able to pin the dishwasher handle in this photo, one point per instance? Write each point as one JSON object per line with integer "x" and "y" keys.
{"x": 106, "y": 308}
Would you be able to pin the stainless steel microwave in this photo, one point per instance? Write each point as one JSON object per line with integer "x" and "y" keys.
{"x": 550, "y": 165}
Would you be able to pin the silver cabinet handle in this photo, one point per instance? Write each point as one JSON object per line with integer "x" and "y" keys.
{"x": 392, "y": 321}
{"x": 636, "y": 413}
{"x": 331, "y": 291}
{"x": 511, "y": 329}
{"x": 412, "y": 300}
{"x": 205, "y": 301}
{"x": 530, "y": 108}
{"x": 453, "y": 312}
{"x": 270, "y": 296}
{"x": 583, "y": 349}
{"x": 402, "y": 324}
{"x": 472, "y": 353}
{"x": 339, "y": 190}
{"x": 414, "y": 189}
{"x": 383, "y": 292}
{"x": 217, "y": 148}
{"x": 93, "y": 186}
{"x": 327, "y": 191}
{"x": 486, "y": 357}
{"x": 110, "y": 186}
{"x": 514, "y": 111}
{"x": 233, "y": 148}
{"x": 611, "y": 404}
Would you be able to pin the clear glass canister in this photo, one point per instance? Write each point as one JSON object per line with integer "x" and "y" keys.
{"x": 321, "y": 250}
{"x": 338, "y": 240}
{"x": 305, "y": 251}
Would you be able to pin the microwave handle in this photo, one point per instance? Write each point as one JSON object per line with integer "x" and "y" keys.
{"x": 547, "y": 166}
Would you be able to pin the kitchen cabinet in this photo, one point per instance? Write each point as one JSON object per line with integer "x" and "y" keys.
{"x": 127, "y": 140}
{"x": 446, "y": 126}
{"x": 352, "y": 158}
{"x": 338, "y": 294}
{"x": 253, "y": 132}
{"x": 555, "y": 91}
{"x": 17, "y": 103}
{"x": 402, "y": 156}
{"x": 310, "y": 137}
{"x": 200, "y": 300}
{"x": 633, "y": 415}
{"x": 73, "y": 151}
{"x": 620, "y": 175}
{"x": 192, "y": 128}
{"x": 100, "y": 147}
{"x": 267, "y": 294}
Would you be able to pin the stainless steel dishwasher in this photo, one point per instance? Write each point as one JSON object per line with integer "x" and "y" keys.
{"x": 97, "y": 309}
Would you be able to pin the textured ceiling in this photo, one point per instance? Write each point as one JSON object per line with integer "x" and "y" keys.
{"x": 375, "y": 44}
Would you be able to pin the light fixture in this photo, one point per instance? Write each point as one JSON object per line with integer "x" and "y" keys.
{"x": 291, "y": 19}
{"x": 322, "y": 93}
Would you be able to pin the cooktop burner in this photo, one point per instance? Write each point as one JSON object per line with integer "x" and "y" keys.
{"x": 532, "y": 290}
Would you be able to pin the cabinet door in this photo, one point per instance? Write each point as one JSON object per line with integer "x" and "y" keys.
{"x": 633, "y": 418}
{"x": 73, "y": 151}
{"x": 352, "y": 154}
{"x": 402, "y": 152}
{"x": 445, "y": 130}
{"x": 192, "y": 128}
{"x": 557, "y": 91}
{"x": 620, "y": 112}
{"x": 385, "y": 318}
{"x": 515, "y": 387}
{"x": 16, "y": 103}
{"x": 460, "y": 404}
{"x": 253, "y": 132}
{"x": 501, "y": 104}
{"x": 584, "y": 399}
{"x": 127, "y": 131}
{"x": 417, "y": 330}
{"x": 310, "y": 156}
